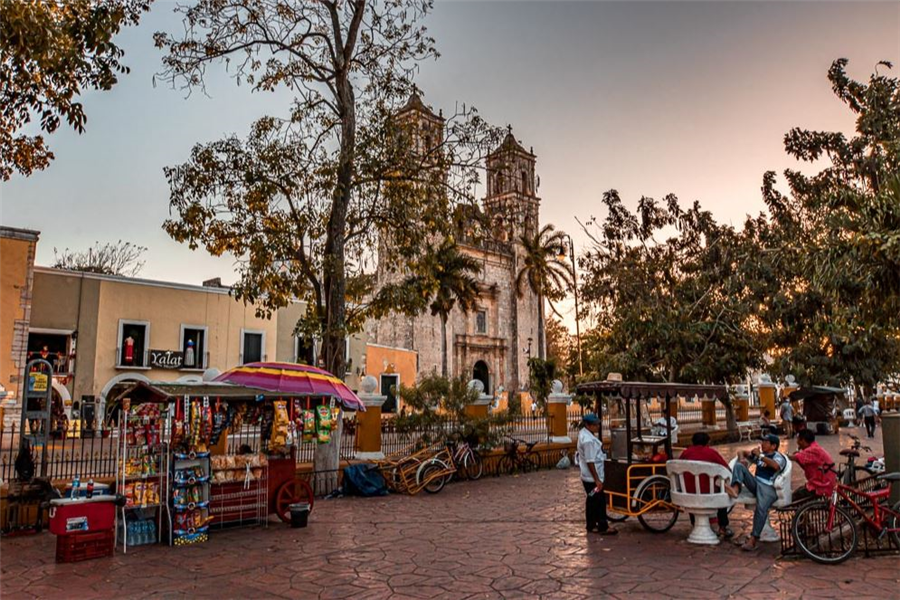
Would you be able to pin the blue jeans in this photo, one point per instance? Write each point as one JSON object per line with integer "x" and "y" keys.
{"x": 765, "y": 496}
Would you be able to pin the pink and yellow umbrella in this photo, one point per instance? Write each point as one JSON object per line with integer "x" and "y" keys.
{"x": 292, "y": 380}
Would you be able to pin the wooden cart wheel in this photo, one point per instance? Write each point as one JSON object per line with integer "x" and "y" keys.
{"x": 292, "y": 492}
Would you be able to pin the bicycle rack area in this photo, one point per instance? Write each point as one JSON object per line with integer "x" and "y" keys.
{"x": 869, "y": 544}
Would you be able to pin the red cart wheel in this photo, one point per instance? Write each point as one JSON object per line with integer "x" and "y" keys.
{"x": 292, "y": 492}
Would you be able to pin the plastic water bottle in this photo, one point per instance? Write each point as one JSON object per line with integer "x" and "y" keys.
{"x": 90, "y": 488}
{"x": 144, "y": 532}
{"x": 76, "y": 486}
{"x": 152, "y": 530}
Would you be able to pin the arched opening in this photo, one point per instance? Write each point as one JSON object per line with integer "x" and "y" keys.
{"x": 481, "y": 373}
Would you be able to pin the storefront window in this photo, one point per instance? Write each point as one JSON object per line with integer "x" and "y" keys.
{"x": 193, "y": 347}
{"x": 134, "y": 339}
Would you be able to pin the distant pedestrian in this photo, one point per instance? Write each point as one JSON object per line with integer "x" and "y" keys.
{"x": 589, "y": 458}
{"x": 765, "y": 422}
{"x": 786, "y": 412}
{"x": 869, "y": 414}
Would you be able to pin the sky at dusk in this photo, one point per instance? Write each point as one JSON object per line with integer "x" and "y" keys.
{"x": 649, "y": 98}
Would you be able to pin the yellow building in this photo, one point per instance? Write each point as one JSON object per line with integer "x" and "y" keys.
{"x": 99, "y": 330}
{"x": 17, "y": 248}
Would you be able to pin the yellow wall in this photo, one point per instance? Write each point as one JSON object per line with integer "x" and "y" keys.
{"x": 16, "y": 263}
{"x": 167, "y": 309}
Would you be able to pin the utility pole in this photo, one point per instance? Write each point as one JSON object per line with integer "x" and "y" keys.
{"x": 575, "y": 290}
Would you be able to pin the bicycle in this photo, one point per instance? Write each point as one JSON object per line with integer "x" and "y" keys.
{"x": 469, "y": 464}
{"x": 848, "y": 474}
{"x": 514, "y": 461}
{"x": 827, "y": 532}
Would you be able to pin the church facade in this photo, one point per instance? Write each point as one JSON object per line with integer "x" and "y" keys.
{"x": 493, "y": 342}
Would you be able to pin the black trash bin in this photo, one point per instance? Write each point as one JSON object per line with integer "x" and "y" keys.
{"x": 299, "y": 514}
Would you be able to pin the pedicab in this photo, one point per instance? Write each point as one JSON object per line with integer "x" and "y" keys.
{"x": 635, "y": 483}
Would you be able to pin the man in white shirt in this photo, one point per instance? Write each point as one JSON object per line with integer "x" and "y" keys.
{"x": 590, "y": 459}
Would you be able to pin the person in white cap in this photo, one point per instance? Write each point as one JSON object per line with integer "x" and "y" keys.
{"x": 590, "y": 459}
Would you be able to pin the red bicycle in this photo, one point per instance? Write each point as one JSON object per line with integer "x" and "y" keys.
{"x": 827, "y": 530}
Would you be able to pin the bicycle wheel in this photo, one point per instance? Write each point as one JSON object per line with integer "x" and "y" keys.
{"x": 532, "y": 462}
{"x": 429, "y": 472}
{"x": 615, "y": 517}
{"x": 817, "y": 541}
{"x": 893, "y": 522}
{"x": 658, "y": 519}
{"x": 473, "y": 466}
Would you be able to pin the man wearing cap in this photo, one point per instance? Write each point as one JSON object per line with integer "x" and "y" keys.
{"x": 769, "y": 463}
{"x": 590, "y": 459}
{"x": 817, "y": 466}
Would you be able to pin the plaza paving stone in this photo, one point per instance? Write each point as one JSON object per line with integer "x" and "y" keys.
{"x": 499, "y": 538}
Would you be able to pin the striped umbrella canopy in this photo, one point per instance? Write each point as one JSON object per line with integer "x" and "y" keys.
{"x": 292, "y": 380}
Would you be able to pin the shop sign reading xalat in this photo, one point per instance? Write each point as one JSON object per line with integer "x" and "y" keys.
{"x": 166, "y": 359}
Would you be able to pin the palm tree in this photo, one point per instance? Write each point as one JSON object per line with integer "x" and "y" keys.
{"x": 544, "y": 272}
{"x": 450, "y": 275}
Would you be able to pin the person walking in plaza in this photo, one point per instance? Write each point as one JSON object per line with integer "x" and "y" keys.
{"x": 700, "y": 450}
{"x": 769, "y": 463}
{"x": 869, "y": 414}
{"x": 786, "y": 411}
{"x": 813, "y": 458}
{"x": 590, "y": 457}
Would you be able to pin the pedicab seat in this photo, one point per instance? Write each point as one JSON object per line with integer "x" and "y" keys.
{"x": 699, "y": 504}
{"x": 783, "y": 491}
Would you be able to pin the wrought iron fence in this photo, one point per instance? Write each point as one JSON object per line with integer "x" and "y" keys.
{"x": 92, "y": 456}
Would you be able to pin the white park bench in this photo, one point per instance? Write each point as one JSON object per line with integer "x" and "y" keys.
{"x": 782, "y": 489}
{"x": 701, "y": 505}
{"x": 746, "y": 429}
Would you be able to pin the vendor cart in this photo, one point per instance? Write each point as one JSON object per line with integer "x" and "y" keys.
{"x": 635, "y": 483}
{"x": 273, "y": 484}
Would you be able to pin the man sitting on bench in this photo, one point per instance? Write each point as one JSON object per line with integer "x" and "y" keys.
{"x": 700, "y": 450}
{"x": 812, "y": 457}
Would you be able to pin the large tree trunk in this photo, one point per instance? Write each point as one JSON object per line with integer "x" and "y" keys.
{"x": 542, "y": 343}
{"x": 327, "y": 456}
{"x": 444, "y": 346}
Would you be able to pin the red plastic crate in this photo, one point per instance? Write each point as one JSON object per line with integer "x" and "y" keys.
{"x": 85, "y": 546}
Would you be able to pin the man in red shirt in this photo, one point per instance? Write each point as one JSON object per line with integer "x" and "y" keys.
{"x": 700, "y": 450}
{"x": 812, "y": 457}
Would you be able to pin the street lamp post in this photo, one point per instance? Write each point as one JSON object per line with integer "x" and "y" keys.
{"x": 575, "y": 290}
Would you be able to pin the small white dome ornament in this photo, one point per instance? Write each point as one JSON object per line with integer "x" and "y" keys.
{"x": 368, "y": 384}
{"x": 477, "y": 385}
{"x": 556, "y": 387}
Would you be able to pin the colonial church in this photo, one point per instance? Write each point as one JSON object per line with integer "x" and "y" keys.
{"x": 493, "y": 342}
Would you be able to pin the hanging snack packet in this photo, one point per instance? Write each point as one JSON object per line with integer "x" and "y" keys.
{"x": 324, "y": 424}
{"x": 278, "y": 442}
{"x": 309, "y": 426}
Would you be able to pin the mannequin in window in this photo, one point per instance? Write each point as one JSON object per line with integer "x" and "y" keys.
{"x": 129, "y": 350}
{"x": 189, "y": 354}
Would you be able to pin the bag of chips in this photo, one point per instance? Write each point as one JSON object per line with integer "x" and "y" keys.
{"x": 309, "y": 426}
{"x": 323, "y": 424}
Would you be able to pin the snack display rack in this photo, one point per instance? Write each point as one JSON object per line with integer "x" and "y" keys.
{"x": 142, "y": 475}
{"x": 192, "y": 426}
{"x": 240, "y": 490}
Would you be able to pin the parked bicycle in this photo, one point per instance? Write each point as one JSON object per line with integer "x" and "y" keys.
{"x": 849, "y": 474}
{"x": 513, "y": 461}
{"x": 827, "y": 530}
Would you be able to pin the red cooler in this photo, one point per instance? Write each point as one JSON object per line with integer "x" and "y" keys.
{"x": 70, "y": 516}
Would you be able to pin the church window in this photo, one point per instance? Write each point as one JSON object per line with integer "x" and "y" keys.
{"x": 481, "y": 321}
{"x": 524, "y": 182}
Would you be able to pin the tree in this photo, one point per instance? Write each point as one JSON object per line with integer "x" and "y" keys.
{"x": 437, "y": 401}
{"x": 51, "y": 51}
{"x": 541, "y": 374}
{"x": 678, "y": 310}
{"x": 449, "y": 275}
{"x": 304, "y": 202}
{"x": 121, "y": 258}
{"x": 835, "y": 241}
{"x": 544, "y": 272}
{"x": 560, "y": 349}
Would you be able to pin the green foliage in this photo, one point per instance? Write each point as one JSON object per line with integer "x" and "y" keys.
{"x": 541, "y": 374}
{"x": 545, "y": 272}
{"x": 51, "y": 51}
{"x": 439, "y": 412}
{"x": 307, "y": 201}
{"x": 834, "y": 244}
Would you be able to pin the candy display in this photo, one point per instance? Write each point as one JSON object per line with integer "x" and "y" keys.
{"x": 278, "y": 441}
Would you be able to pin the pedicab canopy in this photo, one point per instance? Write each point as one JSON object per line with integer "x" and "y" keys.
{"x": 819, "y": 402}
{"x": 649, "y": 390}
